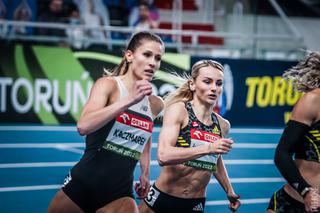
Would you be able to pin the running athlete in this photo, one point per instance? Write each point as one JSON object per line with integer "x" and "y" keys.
{"x": 191, "y": 142}
{"x": 301, "y": 137}
{"x": 117, "y": 121}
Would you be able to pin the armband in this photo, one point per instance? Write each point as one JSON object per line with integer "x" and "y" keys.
{"x": 291, "y": 137}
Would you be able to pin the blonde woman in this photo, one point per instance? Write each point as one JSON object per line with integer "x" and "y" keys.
{"x": 191, "y": 142}
{"x": 301, "y": 138}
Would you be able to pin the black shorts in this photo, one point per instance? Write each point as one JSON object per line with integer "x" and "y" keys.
{"x": 103, "y": 178}
{"x": 160, "y": 202}
{"x": 282, "y": 202}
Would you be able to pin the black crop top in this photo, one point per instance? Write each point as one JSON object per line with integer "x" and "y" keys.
{"x": 195, "y": 134}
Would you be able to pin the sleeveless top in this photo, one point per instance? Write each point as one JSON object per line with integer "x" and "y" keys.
{"x": 195, "y": 134}
{"x": 128, "y": 133}
{"x": 106, "y": 170}
{"x": 310, "y": 148}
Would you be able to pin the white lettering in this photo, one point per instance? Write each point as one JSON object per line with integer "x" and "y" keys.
{"x": 3, "y": 83}
{"x": 42, "y": 97}
{"x": 210, "y": 138}
{"x": 78, "y": 93}
{"x": 61, "y": 109}
{"x": 20, "y": 108}
{"x": 139, "y": 123}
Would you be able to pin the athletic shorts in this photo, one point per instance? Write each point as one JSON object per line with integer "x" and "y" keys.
{"x": 160, "y": 202}
{"x": 282, "y": 202}
{"x": 103, "y": 178}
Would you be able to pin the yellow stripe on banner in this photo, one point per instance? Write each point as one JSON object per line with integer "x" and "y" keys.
{"x": 315, "y": 147}
{"x": 184, "y": 144}
{"x": 316, "y": 135}
{"x": 314, "y": 131}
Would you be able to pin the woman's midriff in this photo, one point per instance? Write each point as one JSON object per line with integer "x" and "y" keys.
{"x": 183, "y": 181}
{"x": 310, "y": 171}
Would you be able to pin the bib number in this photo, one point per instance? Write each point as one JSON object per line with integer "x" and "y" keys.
{"x": 152, "y": 196}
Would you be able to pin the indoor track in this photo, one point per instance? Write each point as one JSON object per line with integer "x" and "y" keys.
{"x": 35, "y": 159}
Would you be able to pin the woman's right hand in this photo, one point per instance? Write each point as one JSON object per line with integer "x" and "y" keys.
{"x": 140, "y": 90}
{"x": 234, "y": 202}
{"x": 221, "y": 146}
{"x": 312, "y": 201}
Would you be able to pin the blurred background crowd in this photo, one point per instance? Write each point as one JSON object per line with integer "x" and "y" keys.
{"x": 231, "y": 28}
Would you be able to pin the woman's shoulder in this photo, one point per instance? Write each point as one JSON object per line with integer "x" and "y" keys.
{"x": 180, "y": 105}
{"x": 109, "y": 79}
{"x": 106, "y": 82}
{"x": 177, "y": 108}
{"x": 176, "y": 112}
{"x": 311, "y": 97}
{"x": 157, "y": 104}
{"x": 306, "y": 110}
{"x": 157, "y": 100}
{"x": 105, "y": 86}
{"x": 224, "y": 123}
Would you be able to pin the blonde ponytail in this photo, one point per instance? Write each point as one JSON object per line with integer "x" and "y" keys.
{"x": 183, "y": 93}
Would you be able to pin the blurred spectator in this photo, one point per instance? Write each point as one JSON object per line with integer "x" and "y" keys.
{"x": 134, "y": 12}
{"x": 23, "y": 12}
{"x": 92, "y": 19}
{"x": 145, "y": 21}
{"x": 119, "y": 10}
{"x": 19, "y": 10}
{"x": 74, "y": 32}
{"x": 99, "y": 9}
{"x": 3, "y": 10}
{"x": 3, "y": 13}
{"x": 54, "y": 14}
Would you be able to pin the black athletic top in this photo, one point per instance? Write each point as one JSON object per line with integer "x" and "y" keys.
{"x": 310, "y": 148}
{"x": 113, "y": 151}
{"x": 195, "y": 134}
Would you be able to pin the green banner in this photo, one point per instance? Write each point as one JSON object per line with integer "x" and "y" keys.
{"x": 50, "y": 84}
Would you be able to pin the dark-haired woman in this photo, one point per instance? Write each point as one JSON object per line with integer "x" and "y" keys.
{"x": 117, "y": 121}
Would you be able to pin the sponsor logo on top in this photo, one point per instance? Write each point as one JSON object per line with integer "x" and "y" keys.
{"x": 216, "y": 130}
{"x": 198, "y": 134}
{"x": 204, "y": 136}
{"x": 125, "y": 118}
{"x": 194, "y": 124}
{"x": 135, "y": 121}
{"x": 139, "y": 123}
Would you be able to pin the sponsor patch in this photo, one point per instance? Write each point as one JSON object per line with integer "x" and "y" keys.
{"x": 135, "y": 121}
